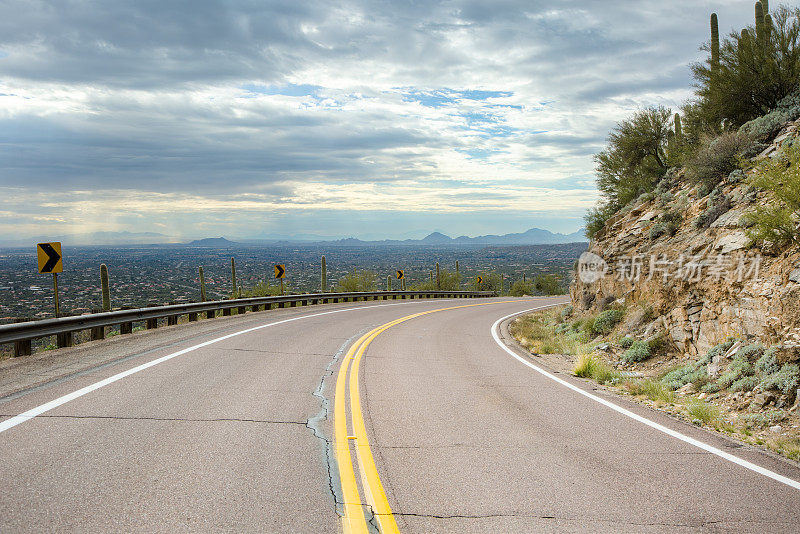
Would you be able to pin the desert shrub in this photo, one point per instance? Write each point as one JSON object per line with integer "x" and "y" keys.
{"x": 606, "y": 321}
{"x": 665, "y": 199}
{"x": 701, "y": 412}
{"x": 736, "y": 176}
{"x": 653, "y": 390}
{"x": 746, "y": 383}
{"x": 774, "y": 224}
{"x": 764, "y": 128}
{"x": 672, "y": 221}
{"x": 736, "y": 370}
{"x": 657, "y": 230}
{"x": 768, "y": 363}
{"x": 716, "y": 158}
{"x": 261, "y": 289}
{"x": 638, "y": 351}
{"x": 358, "y": 280}
{"x": 749, "y": 353}
{"x": 567, "y": 312}
{"x": 591, "y": 366}
{"x": 596, "y": 218}
{"x": 547, "y": 284}
{"x": 785, "y": 380}
{"x": 681, "y": 376}
{"x": 626, "y": 342}
{"x": 716, "y": 350}
{"x": 718, "y": 203}
{"x": 520, "y": 288}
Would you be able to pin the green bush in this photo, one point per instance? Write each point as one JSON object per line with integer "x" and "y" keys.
{"x": 606, "y": 321}
{"x": 363, "y": 280}
{"x": 638, "y": 351}
{"x": 701, "y": 412}
{"x": 591, "y": 366}
{"x": 548, "y": 284}
{"x": 597, "y": 217}
{"x": 774, "y": 224}
{"x": 520, "y": 288}
{"x": 786, "y": 380}
{"x": 626, "y": 342}
{"x": 716, "y": 158}
{"x": 635, "y": 157}
{"x": 567, "y": 312}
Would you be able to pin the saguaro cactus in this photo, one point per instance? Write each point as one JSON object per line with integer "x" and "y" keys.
{"x": 106, "y": 289}
{"x": 202, "y": 285}
{"x": 388, "y": 283}
{"x": 233, "y": 277}
{"x": 765, "y": 5}
{"x": 678, "y": 131}
{"x": 324, "y": 277}
{"x": 438, "y": 277}
{"x": 714, "y": 42}
{"x": 759, "y": 20}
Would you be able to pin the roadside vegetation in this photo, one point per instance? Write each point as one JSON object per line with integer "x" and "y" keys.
{"x": 731, "y": 400}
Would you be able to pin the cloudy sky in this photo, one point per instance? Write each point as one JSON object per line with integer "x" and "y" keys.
{"x": 366, "y": 118}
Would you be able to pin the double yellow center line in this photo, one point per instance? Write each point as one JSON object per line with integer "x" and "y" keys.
{"x": 353, "y": 520}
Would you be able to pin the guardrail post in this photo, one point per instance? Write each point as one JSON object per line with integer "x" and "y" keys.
{"x": 97, "y": 333}
{"x": 126, "y": 328}
{"x": 293, "y": 304}
{"x": 151, "y": 324}
{"x": 172, "y": 320}
{"x": 64, "y": 340}
{"x": 192, "y": 317}
{"x": 211, "y": 314}
{"x": 226, "y": 312}
{"x": 22, "y": 347}
{"x": 242, "y": 310}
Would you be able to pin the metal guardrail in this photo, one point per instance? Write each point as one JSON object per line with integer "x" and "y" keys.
{"x": 63, "y": 328}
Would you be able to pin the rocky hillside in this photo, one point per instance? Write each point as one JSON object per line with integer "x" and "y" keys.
{"x": 683, "y": 266}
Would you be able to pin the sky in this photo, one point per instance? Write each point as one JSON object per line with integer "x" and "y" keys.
{"x": 372, "y": 119}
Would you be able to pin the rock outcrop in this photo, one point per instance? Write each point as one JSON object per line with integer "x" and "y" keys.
{"x": 697, "y": 283}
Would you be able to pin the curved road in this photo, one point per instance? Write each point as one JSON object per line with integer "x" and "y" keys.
{"x": 238, "y": 434}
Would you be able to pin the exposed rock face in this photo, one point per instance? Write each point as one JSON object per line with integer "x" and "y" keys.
{"x": 702, "y": 285}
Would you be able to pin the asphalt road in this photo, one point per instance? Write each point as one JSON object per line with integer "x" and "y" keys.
{"x": 238, "y": 435}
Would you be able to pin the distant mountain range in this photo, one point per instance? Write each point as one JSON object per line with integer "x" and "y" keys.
{"x": 534, "y": 236}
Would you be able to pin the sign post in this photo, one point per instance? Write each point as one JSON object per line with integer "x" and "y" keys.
{"x": 280, "y": 272}
{"x": 401, "y": 275}
{"x": 480, "y": 281}
{"x": 49, "y": 260}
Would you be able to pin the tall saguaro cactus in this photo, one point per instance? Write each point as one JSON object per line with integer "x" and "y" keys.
{"x": 202, "y": 284}
{"x": 438, "y": 277}
{"x": 760, "y": 21}
{"x": 233, "y": 277}
{"x": 677, "y": 122}
{"x": 324, "y": 276}
{"x": 714, "y": 42}
{"x": 388, "y": 283}
{"x": 106, "y": 288}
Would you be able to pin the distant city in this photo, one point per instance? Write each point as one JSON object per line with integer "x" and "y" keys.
{"x": 151, "y": 275}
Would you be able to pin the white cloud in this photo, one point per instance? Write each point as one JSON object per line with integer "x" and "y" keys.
{"x": 358, "y": 105}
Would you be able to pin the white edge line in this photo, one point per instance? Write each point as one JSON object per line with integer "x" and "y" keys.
{"x": 39, "y": 410}
{"x": 709, "y": 448}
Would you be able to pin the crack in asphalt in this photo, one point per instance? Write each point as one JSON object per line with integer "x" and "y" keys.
{"x": 699, "y": 523}
{"x": 179, "y": 419}
{"x": 314, "y": 424}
